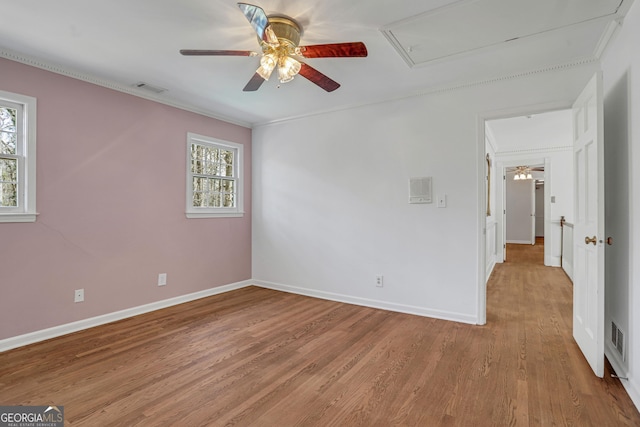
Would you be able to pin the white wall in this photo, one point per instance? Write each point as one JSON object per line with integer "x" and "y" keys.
{"x": 330, "y": 196}
{"x": 621, "y": 78}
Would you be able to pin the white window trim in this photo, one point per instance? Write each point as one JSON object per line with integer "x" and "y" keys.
{"x": 27, "y": 210}
{"x": 194, "y": 212}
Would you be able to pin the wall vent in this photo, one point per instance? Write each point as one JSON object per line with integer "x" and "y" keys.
{"x": 617, "y": 339}
{"x": 150, "y": 88}
{"x": 420, "y": 190}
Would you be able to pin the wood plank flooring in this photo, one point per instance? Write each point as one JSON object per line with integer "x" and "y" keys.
{"x": 257, "y": 357}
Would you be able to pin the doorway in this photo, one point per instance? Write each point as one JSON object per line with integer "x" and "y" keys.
{"x": 523, "y": 215}
{"x": 538, "y": 138}
{"x": 539, "y": 143}
{"x": 586, "y": 156}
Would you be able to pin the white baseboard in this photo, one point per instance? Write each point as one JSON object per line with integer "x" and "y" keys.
{"x": 568, "y": 268}
{"x": 56, "y": 331}
{"x": 629, "y": 384}
{"x": 520, "y": 242}
{"x": 552, "y": 261}
{"x": 384, "y": 305}
{"x": 633, "y": 389}
{"x": 614, "y": 358}
{"x": 489, "y": 269}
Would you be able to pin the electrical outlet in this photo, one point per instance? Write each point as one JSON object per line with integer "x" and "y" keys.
{"x": 78, "y": 295}
{"x": 162, "y": 279}
{"x": 379, "y": 281}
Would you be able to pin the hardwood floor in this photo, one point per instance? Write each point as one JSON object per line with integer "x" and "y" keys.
{"x": 256, "y": 357}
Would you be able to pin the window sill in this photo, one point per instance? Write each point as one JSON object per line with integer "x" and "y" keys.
{"x": 192, "y": 215}
{"x": 18, "y": 217}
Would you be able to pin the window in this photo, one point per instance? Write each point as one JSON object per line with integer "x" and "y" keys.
{"x": 214, "y": 184}
{"x": 17, "y": 158}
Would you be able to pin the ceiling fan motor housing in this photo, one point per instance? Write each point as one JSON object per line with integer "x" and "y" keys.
{"x": 286, "y": 29}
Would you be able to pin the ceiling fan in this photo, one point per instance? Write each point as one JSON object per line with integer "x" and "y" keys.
{"x": 279, "y": 38}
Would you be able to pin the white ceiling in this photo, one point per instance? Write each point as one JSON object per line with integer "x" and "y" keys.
{"x": 414, "y": 47}
{"x": 551, "y": 129}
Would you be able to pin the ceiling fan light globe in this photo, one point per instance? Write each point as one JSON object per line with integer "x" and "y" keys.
{"x": 287, "y": 68}
{"x": 267, "y": 65}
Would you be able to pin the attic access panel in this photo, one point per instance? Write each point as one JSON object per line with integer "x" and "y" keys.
{"x": 468, "y": 25}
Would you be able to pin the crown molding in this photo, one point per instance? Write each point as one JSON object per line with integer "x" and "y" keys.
{"x": 129, "y": 90}
{"x": 451, "y": 87}
{"x": 542, "y": 150}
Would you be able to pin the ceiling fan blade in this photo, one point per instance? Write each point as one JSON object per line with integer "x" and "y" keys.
{"x": 332, "y": 50}
{"x": 197, "y": 52}
{"x": 254, "y": 84}
{"x": 318, "y": 78}
{"x": 259, "y": 21}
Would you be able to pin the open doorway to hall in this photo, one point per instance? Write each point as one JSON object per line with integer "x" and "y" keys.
{"x": 532, "y": 185}
{"x": 524, "y": 212}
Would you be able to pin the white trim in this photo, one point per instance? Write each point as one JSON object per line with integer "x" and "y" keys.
{"x": 519, "y": 242}
{"x": 18, "y": 217}
{"x": 238, "y": 176}
{"x": 234, "y": 214}
{"x": 366, "y": 302}
{"x": 482, "y": 118}
{"x": 69, "y": 72}
{"x": 445, "y": 89}
{"x": 541, "y": 151}
{"x": 614, "y": 358}
{"x": 607, "y": 37}
{"x": 27, "y": 179}
{"x": 98, "y": 81}
{"x": 491, "y": 140}
{"x": 481, "y": 239}
{"x": 389, "y": 29}
{"x": 633, "y": 390}
{"x": 490, "y": 257}
{"x": 56, "y": 331}
{"x": 552, "y": 261}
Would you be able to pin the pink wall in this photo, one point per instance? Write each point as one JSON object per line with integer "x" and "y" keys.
{"x": 111, "y": 199}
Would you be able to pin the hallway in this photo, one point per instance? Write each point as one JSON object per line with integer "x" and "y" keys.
{"x": 530, "y": 308}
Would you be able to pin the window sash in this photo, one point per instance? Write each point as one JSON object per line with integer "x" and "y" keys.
{"x": 25, "y": 156}
{"x": 18, "y": 183}
{"x": 214, "y": 185}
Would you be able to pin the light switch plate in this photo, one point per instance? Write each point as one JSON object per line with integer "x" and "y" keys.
{"x": 442, "y": 201}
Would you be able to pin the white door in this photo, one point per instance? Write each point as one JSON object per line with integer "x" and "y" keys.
{"x": 504, "y": 215}
{"x": 532, "y": 185}
{"x": 588, "y": 247}
{"x": 520, "y": 208}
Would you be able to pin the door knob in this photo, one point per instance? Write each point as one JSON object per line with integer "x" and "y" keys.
{"x": 588, "y": 240}
{"x": 609, "y": 241}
